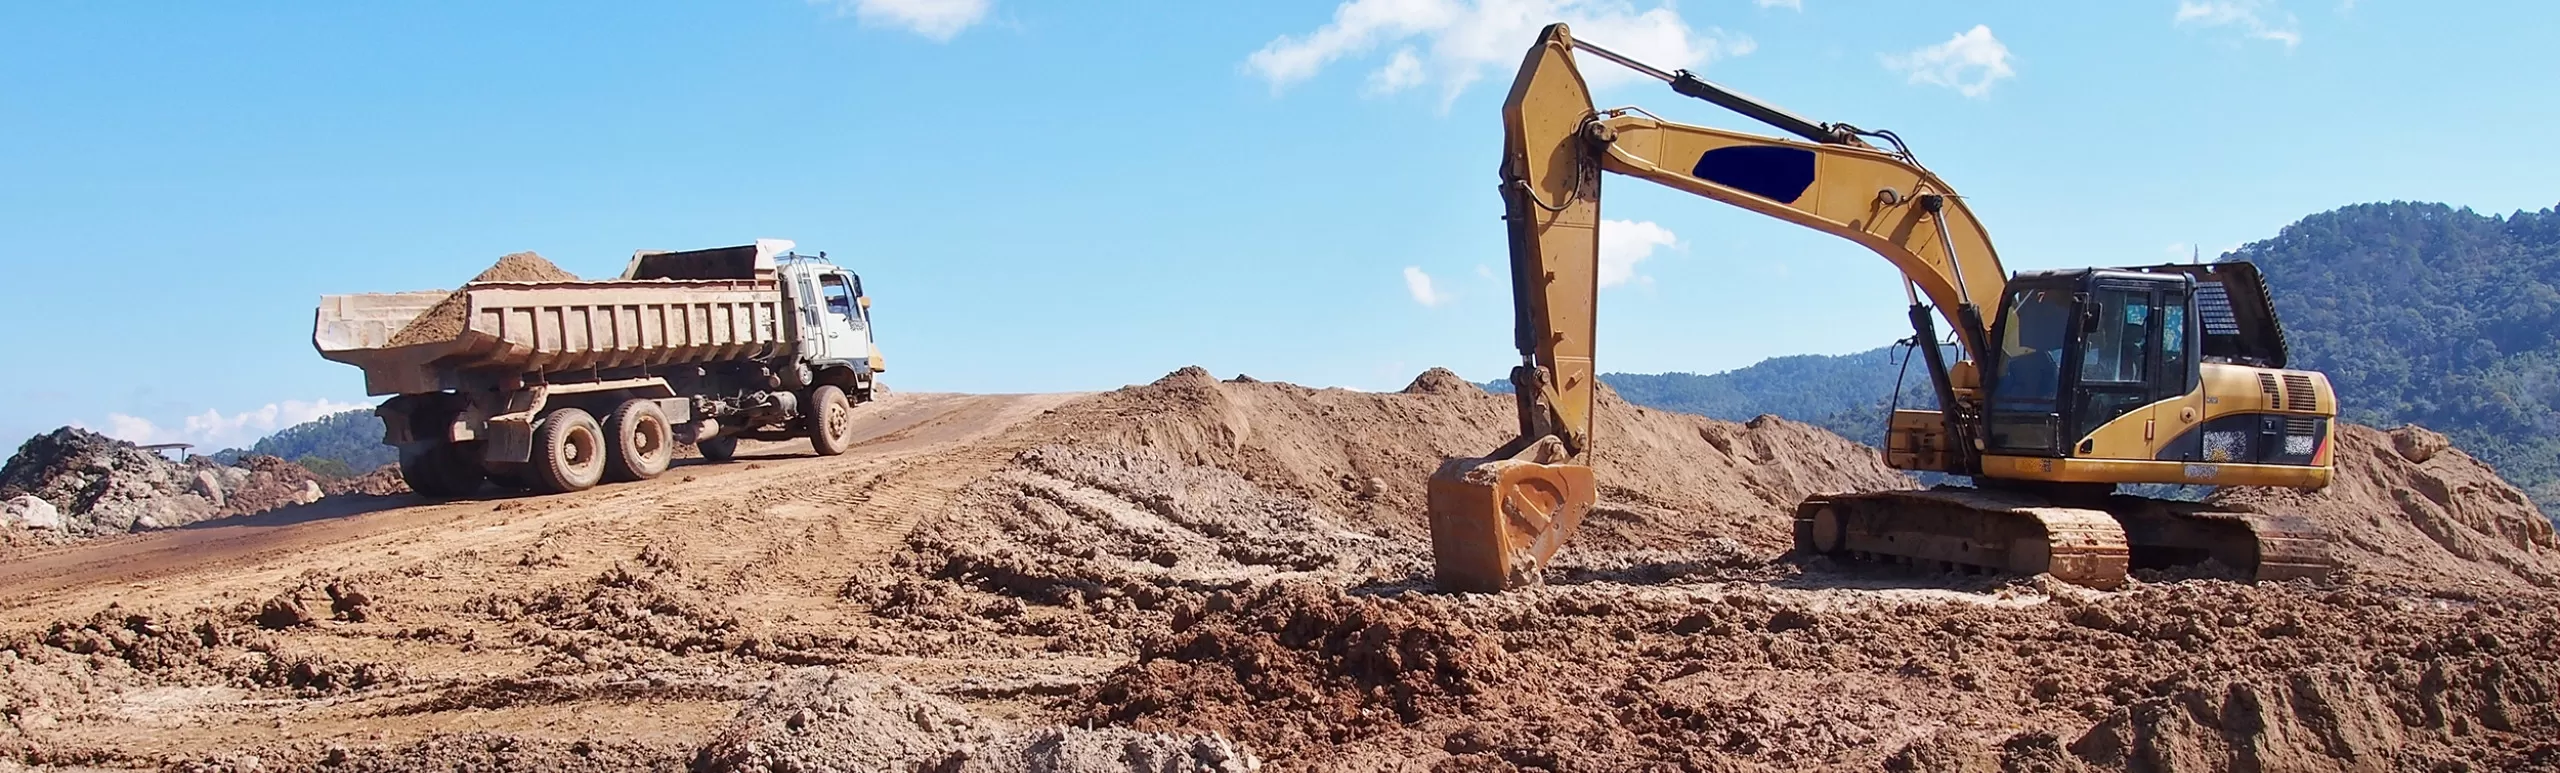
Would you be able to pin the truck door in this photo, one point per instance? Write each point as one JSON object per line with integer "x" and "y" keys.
{"x": 847, "y": 336}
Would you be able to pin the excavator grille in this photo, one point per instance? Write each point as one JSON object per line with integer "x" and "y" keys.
{"x": 2298, "y": 394}
{"x": 2267, "y": 384}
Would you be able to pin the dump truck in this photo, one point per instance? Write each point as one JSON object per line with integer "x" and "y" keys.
{"x": 559, "y": 385}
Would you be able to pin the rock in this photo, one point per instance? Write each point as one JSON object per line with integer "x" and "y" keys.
{"x": 31, "y": 512}
{"x": 209, "y": 486}
{"x": 2418, "y": 444}
{"x": 285, "y": 611}
{"x": 104, "y": 486}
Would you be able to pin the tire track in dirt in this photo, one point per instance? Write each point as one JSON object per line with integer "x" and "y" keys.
{"x": 351, "y": 534}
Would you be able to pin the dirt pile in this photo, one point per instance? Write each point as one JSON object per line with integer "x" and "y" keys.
{"x": 445, "y": 319}
{"x": 1260, "y": 548}
{"x": 1667, "y": 479}
{"x": 383, "y": 481}
{"x": 97, "y": 485}
{"x": 2202, "y": 675}
{"x": 2408, "y": 506}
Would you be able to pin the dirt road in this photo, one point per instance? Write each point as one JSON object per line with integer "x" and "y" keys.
{"x": 755, "y": 536}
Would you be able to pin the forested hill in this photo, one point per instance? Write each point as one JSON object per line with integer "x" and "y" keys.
{"x": 2434, "y": 315}
{"x": 334, "y": 445}
{"x": 1844, "y": 393}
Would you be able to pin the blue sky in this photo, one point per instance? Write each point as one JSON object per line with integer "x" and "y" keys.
{"x": 1067, "y": 196}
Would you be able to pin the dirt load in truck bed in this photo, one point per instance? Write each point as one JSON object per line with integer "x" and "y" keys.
{"x": 1196, "y": 574}
{"x": 446, "y": 319}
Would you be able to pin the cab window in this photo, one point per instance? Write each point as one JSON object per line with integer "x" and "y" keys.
{"x": 839, "y": 296}
{"x": 2027, "y": 387}
{"x": 2173, "y": 348}
{"x": 2030, "y": 375}
{"x": 2115, "y": 349}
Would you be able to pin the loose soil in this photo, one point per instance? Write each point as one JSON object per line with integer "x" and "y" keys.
{"x": 445, "y": 320}
{"x": 1196, "y": 574}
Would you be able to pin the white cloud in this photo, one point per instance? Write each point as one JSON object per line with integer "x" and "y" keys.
{"x": 1402, "y": 72}
{"x": 1792, "y": 5}
{"x": 1419, "y": 284}
{"x": 2255, "y": 19}
{"x": 1969, "y": 62}
{"x": 1455, "y": 41}
{"x": 1624, "y": 243}
{"x": 1485, "y": 270}
{"x": 938, "y": 20}
{"x": 213, "y": 430}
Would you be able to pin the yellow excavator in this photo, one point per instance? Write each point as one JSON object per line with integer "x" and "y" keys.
{"x": 2168, "y": 374}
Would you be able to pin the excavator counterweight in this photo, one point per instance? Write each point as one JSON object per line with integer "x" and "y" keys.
{"x": 2070, "y": 382}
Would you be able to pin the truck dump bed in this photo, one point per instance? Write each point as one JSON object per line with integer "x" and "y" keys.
{"x": 550, "y": 328}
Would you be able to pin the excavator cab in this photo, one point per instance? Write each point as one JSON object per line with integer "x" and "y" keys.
{"x": 2079, "y": 349}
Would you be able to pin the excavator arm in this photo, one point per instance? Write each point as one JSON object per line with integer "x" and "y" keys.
{"x": 1497, "y": 520}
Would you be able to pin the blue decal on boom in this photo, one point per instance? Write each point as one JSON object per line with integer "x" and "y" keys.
{"x": 1771, "y": 172}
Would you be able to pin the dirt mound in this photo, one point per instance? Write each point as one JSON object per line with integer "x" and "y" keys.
{"x": 834, "y": 720}
{"x": 2407, "y": 505}
{"x": 381, "y": 482}
{"x": 445, "y": 319}
{"x": 1299, "y": 650}
{"x": 1440, "y": 381}
{"x": 1667, "y": 479}
{"x": 1099, "y": 527}
{"x": 98, "y": 485}
{"x": 2202, "y": 675}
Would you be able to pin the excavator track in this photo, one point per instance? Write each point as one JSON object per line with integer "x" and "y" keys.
{"x": 2255, "y": 546}
{"x": 1967, "y": 529}
{"x": 2017, "y": 533}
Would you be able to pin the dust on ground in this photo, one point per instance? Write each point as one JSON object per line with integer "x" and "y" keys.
{"x": 1197, "y": 574}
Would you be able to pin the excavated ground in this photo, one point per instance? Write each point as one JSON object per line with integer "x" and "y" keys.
{"x": 1205, "y": 575}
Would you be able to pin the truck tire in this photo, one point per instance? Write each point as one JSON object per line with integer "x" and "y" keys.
{"x": 830, "y": 421}
{"x": 719, "y": 449}
{"x": 441, "y": 471}
{"x": 638, "y": 442}
{"x": 568, "y": 452}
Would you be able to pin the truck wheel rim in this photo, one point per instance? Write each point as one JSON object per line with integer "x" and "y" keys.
{"x": 581, "y": 446}
{"x": 650, "y": 437}
{"x": 838, "y": 422}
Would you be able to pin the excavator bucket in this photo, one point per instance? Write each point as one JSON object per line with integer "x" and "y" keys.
{"x": 1496, "y": 522}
